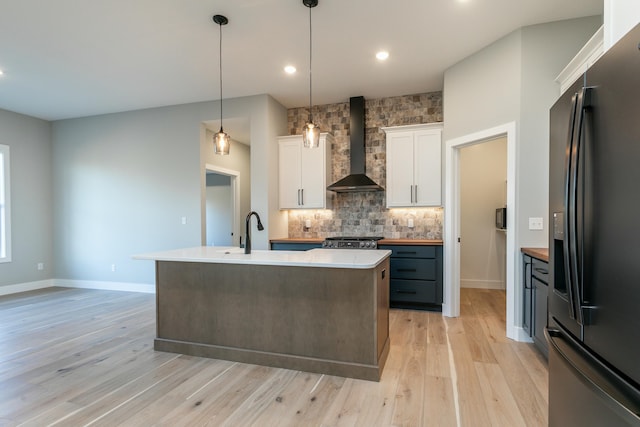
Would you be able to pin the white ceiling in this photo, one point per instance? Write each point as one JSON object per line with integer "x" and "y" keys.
{"x": 74, "y": 58}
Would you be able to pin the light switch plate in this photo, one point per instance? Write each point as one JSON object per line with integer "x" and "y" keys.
{"x": 535, "y": 223}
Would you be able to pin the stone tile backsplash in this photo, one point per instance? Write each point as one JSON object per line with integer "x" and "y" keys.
{"x": 365, "y": 213}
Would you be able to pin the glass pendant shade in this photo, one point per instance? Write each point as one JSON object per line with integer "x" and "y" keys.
{"x": 311, "y": 135}
{"x": 221, "y": 143}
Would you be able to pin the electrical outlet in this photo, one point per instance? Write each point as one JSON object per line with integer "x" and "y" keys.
{"x": 183, "y": 220}
{"x": 41, "y": 266}
{"x": 307, "y": 223}
{"x": 113, "y": 267}
{"x": 535, "y": 223}
{"x": 410, "y": 223}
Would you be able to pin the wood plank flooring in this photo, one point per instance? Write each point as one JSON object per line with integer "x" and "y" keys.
{"x": 78, "y": 357}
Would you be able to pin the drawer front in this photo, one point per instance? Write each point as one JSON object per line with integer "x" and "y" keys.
{"x": 423, "y": 291}
{"x": 417, "y": 269}
{"x": 540, "y": 270}
{"x": 410, "y": 251}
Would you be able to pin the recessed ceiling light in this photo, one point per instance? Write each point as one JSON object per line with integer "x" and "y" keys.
{"x": 289, "y": 69}
{"x": 1, "y": 72}
{"x": 382, "y": 55}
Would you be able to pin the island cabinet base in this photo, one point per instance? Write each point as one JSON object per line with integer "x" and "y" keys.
{"x": 327, "y": 320}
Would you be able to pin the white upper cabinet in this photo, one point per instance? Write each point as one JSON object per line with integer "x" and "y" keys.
{"x": 303, "y": 173}
{"x": 414, "y": 165}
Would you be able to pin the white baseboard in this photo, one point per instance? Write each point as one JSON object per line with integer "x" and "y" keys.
{"x": 83, "y": 284}
{"x": 482, "y": 284}
{"x": 522, "y": 335}
{"x": 106, "y": 286}
{"x": 25, "y": 287}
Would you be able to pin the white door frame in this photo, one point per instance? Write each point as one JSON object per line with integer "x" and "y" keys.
{"x": 451, "y": 306}
{"x": 235, "y": 200}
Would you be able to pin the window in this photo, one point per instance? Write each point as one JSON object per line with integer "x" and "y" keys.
{"x": 5, "y": 212}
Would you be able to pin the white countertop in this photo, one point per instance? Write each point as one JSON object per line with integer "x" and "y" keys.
{"x": 331, "y": 258}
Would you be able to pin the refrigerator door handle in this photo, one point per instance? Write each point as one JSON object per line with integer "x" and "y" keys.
{"x": 569, "y": 206}
{"x": 615, "y": 391}
{"x": 577, "y": 246}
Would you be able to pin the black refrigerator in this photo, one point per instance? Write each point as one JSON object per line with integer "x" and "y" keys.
{"x": 594, "y": 244}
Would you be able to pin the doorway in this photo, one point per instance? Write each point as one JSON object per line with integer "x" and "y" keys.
{"x": 222, "y": 207}
{"x": 483, "y": 189}
{"x": 451, "y": 305}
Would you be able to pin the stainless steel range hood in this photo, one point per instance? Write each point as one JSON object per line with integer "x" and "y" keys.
{"x": 357, "y": 180}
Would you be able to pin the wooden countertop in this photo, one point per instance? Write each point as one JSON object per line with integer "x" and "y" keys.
{"x": 397, "y": 242}
{"x": 539, "y": 253}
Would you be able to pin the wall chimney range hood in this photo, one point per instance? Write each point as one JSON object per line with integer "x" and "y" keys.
{"x": 357, "y": 180}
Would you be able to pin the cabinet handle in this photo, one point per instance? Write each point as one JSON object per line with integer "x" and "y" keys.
{"x": 407, "y": 252}
{"x": 411, "y": 193}
{"x": 542, "y": 270}
{"x": 302, "y": 196}
{"x": 407, "y": 270}
{"x": 406, "y": 292}
{"x": 415, "y": 190}
{"x": 298, "y": 197}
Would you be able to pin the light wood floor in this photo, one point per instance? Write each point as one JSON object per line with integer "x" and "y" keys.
{"x": 71, "y": 357}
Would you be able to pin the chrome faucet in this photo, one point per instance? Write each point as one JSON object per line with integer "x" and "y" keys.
{"x": 247, "y": 244}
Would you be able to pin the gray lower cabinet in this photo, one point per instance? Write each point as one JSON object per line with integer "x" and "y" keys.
{"x": 416, "y": 277}
{"x": 527, "y": 316}
{"x": 415, "y": 273}
{"x": 535, "y": 310}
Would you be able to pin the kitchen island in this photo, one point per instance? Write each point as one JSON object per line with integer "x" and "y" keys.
{"x": 323, "y": 310}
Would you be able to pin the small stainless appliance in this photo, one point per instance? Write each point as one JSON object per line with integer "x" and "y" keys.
{"x": 351, "y": 242}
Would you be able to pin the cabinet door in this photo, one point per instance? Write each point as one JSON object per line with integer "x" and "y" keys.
{"x": 540, "y": 293}
{"x": 413, "y": 268}
{"x": 312, "y": 177}
{"x": 427, "y": 168}
{"x": 528, "y": 291}
{"x": 422, "y": 291}
{"x": 289, "y": 157}
{"x": 400, "y": 169}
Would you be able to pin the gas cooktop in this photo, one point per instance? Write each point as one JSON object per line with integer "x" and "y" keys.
{"x": 351, "y": 242}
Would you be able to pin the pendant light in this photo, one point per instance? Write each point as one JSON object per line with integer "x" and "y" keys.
{"x": 221, "y": 140}
{"x": 310, "y": 132}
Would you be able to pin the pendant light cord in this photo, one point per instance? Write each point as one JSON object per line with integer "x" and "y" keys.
{"x": 310, "y": 67}
{"x": 220, "y": 50}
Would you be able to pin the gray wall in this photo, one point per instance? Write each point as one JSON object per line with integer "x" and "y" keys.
{"x": 31, "y": 198}
{"x": 123, "y": 182}
{"x": 546, "y": 50}
{"x": 512, "y": 80}
{"x": 239, "y": 160}
{"x": 483, "y": 90}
